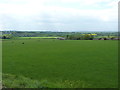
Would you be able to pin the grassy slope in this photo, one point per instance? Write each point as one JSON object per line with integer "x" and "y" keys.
{"x": 18, "y": 81}
{"x": 94, "y": 62}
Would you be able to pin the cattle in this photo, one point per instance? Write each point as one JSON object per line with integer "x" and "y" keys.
{"x": 23, "y": 43}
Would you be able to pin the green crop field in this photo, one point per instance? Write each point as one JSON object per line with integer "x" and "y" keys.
{"x": 38, "y": 37}
{"x": 63, "y": 63}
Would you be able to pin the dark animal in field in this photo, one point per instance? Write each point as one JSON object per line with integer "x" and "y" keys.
{"x": 23, "y": 43}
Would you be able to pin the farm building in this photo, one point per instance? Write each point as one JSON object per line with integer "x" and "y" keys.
{"x": 61, "y": 38}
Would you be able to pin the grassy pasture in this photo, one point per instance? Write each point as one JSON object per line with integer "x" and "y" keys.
{"x": 92, "y": 62}
{"x": 38, "y": 37}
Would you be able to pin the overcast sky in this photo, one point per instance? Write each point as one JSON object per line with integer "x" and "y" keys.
{"x": 59, "y": 15}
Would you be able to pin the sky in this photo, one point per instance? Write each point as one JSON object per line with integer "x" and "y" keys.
{"x": 59, "y": 15}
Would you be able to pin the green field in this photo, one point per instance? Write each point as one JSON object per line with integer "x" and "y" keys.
{"x": 79, "y": 63}
{"x": 38, "y": 37}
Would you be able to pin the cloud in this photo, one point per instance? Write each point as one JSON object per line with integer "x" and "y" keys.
{"x": 51, "y": 14}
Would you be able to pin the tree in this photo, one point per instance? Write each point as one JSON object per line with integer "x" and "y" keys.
{"x": 80, "y": 37}
{"x": 88, "y": 37}
{"x": 4, "y": 37}
{"x": 7, "y": 36}
{"x": 105, "y": 38}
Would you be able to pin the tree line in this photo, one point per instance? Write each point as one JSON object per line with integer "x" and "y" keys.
{"x": 6, "y": 36}
{"x": 80, "y": 37}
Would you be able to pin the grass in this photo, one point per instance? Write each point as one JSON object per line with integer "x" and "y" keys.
{"x": 57, "y": 61}
{"x": 15, "y": 81}
{"x": 0, "y": 64}
{"x": 38, "y": 37}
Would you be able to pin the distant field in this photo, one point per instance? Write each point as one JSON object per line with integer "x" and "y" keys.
{"x": 38, "y": 37}
{"x": 94, "y": 63}
{"x": 105, "y": 36}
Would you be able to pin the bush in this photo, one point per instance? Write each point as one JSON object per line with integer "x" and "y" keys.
{"x": 80, "y": 37}
{"x": 7, "y": 36}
